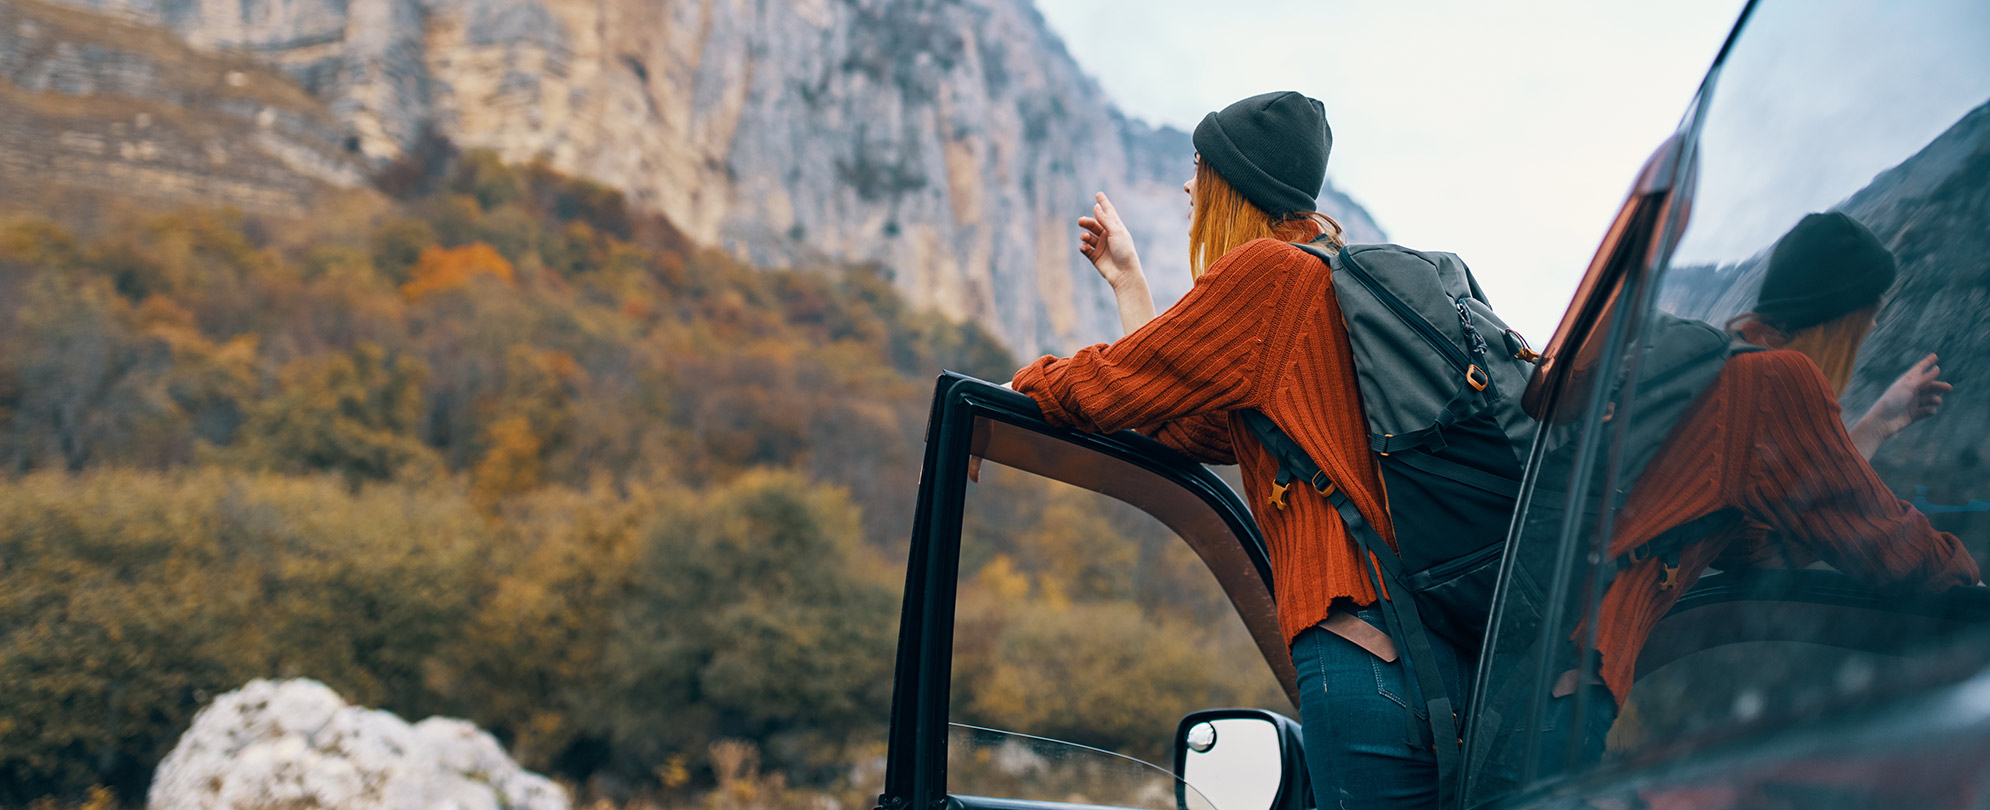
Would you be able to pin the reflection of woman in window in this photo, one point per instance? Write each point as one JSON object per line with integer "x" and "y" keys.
{"x": 1261, "y": 329}
{"x": 1820, "y": 296}
{"x": 1764, "y": 453}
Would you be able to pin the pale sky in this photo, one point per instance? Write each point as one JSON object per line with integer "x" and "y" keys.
{"x": 1877, "y": 85}
{"x": 1507, "y": 133}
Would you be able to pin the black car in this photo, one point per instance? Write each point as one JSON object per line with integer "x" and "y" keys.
{"x": 1784, "y": 684}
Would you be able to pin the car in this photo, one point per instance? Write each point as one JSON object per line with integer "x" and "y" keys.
{"x": 1780, "y": 684}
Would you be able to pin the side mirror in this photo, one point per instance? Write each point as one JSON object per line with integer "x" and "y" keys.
{"x": 1243, "y": 759}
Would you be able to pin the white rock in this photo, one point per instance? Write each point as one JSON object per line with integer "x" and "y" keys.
{"x": 295, "y": 743}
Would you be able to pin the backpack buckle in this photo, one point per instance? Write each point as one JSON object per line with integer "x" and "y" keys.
{"x": 1476, "y": 377}
{"x": 1278, "y": 495}
{"x": 1668, "y": 577}
{"x": 1517, "y": 346}
{"x": 1322, "y": 484}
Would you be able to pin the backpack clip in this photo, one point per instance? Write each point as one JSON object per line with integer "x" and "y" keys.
{"x": 1322, "y": 484}
{"x": 1278, "y": 495}
{"x": 1669, "y": 575}
{"x": 1476, "y": 377}
{"x": 1517, "y": 346}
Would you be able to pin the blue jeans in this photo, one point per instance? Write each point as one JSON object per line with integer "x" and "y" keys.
{"x": 1351, "y": 705}
{"x": 1501, "y": 775}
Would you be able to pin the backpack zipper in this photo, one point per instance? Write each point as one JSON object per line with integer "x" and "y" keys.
{"x": 1404, "y": 313}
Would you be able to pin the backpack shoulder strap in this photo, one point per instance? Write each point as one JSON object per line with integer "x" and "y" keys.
{"x": 1293, "y": 462}
{"x": 1401, "y": 614}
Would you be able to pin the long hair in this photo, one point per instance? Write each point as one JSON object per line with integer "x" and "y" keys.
{"x": 1224, "y": 221}
{"x": 1832, "y": 345}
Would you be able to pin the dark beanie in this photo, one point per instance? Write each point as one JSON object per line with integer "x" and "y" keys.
{"x": 1271, "y": 148}
{"x": 1825, "y": 267}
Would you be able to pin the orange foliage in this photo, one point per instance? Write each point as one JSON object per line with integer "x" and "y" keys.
{"x": 511, "y": 466}
{"x": 442, "y": 269}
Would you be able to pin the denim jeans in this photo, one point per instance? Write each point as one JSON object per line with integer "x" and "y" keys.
{"x": 1501, "y": 775}
{"x": 1351, "y": 705}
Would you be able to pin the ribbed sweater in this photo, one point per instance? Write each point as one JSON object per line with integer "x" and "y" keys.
{"x": 1765, "y": 441}
{"x": 1261, "y": 329}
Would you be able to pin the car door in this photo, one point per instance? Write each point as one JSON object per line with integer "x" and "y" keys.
{"x": 995, "y": 706}
{"x": 1775, "y": 679}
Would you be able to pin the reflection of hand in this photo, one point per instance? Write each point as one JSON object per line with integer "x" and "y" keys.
{"x": 1917, "y": 395}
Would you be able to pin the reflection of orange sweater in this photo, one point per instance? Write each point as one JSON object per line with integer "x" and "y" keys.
{"x": 1765, "y": 440}
{"x": 1261, "y": 329}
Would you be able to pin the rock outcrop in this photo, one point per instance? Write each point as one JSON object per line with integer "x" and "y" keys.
{"x": 954, "y": 142}
{"x": 110, "y": 109}
{"x": 290, "y": 744}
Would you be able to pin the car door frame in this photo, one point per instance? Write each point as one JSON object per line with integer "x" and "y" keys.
{"x": 966, "y": 413}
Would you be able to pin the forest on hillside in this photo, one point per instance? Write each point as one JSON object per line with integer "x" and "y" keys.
{"x": 497, "y": 447}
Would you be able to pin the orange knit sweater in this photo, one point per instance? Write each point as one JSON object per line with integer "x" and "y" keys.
{"x": 1765, "y": 441}
{"x": 1260, "y": 329}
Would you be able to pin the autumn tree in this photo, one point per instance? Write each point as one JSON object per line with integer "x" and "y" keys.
{"x": 352, "y": 413}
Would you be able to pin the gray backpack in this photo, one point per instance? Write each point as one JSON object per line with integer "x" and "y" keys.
{"x": 1440, "y": 378}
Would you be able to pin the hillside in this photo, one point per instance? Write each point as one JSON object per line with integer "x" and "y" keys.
{"x": 952, "y": 142}
{"x": 507, "y": 451}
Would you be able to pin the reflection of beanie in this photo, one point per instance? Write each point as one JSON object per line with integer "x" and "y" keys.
{"x": 1272, "y": 148}
{"x": 1825, "y": 267}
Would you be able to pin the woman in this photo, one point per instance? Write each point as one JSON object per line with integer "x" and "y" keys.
{"x": 1820, "y": 296}
{"x": 1261, "y": 329}
{"x": 1764, "y": 446}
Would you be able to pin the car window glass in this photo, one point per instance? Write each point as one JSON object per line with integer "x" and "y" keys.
{"x": 1085, "y": 620}
{"x": 1737, "y": 567}
{"x": 994, "y": 763}
{"x": 1812, "y": 589}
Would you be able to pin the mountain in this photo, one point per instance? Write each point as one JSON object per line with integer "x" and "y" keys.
{"x": 96, "y": 111}
{"x": 1930, "y": 210}
{"x": 952, "y": 142}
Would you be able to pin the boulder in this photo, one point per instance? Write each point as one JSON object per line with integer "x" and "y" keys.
{"x": 296, "y": 743}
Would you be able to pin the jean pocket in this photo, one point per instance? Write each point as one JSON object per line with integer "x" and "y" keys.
{"x": 1392, "y": 683}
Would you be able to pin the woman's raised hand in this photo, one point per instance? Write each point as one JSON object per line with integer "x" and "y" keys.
{"x": 1103, "y": 238}
{"x": 1915, "y": 396}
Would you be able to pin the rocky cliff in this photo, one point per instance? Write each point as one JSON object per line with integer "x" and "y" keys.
{"x": 1930, "y": 210}
{"x": 953, "y": 142}
{"x": 92, "y": 109}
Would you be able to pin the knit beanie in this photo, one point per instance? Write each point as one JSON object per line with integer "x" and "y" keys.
{"x": 1272, "y": 148}
{"x": 1826, "y": 266}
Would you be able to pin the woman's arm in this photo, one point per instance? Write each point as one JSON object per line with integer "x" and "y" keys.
{"x": 1216, "y": 350}
{"x": 1807, "y": 480}
{"x": 1104, "y": 240}
{"x": 1204, "y": 437}
{"x": 1915, "y": 396}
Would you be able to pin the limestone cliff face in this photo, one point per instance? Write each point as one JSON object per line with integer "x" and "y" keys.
{"x": 94, "y": 109}
{"x": 954, "y": 142}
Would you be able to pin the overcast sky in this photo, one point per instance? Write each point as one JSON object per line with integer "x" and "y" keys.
{"x": 1505, "y": 132}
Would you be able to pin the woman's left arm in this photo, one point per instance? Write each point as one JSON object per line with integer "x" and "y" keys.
{"x": 1810, "y": 483}
{"x": 1204, "y": 437}
{"x": 1915, "y": 396}
{"x": 1218, "y": 349}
